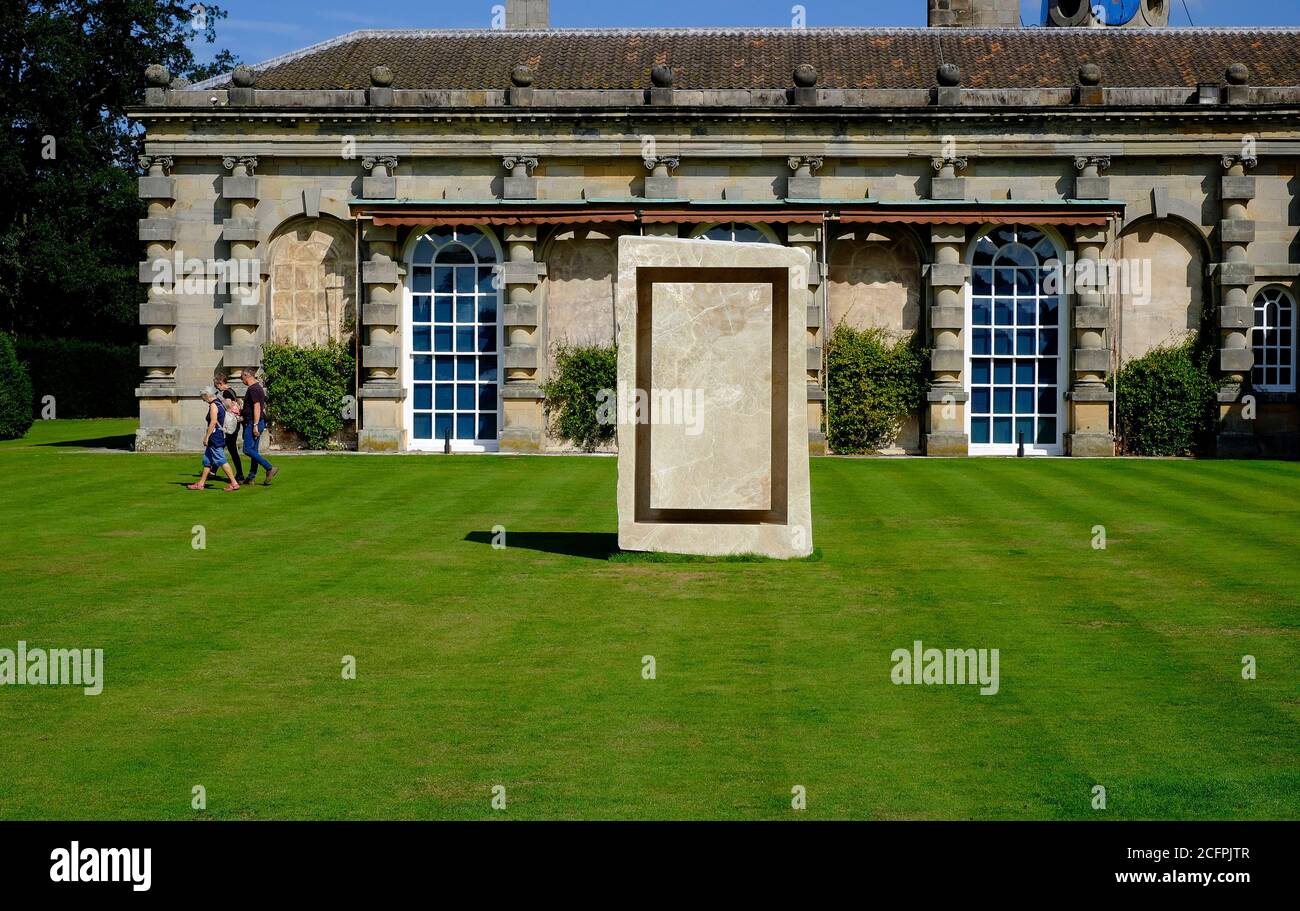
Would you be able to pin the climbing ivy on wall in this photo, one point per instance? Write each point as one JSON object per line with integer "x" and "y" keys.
{"x": 874, "y": 381}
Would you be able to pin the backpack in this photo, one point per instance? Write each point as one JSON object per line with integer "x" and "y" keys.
{"x": 230, "y": 425}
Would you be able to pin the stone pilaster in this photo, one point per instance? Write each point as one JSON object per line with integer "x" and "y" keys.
{"x": 382, "y": 392}
{"x": 947, "y": 397}
{"x": 521, "y": 429}
{"x": 158, "y": 394}
{"x": 1236, "y": 314}
{"x": 659, "y": 183}
{"x": 808, "y": 237}
{"x": 519, "y": 182}
{"x": 242, "y": 309}
{"x": 801, "y": 184}
{"x": 945, "y": 184}
{"x": 1090, "y": 184}
{"x": 1090, "y": 399}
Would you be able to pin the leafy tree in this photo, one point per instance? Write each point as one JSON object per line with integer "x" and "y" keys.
{"x": 15, "y": 392}
{"x": 68, "y": 71}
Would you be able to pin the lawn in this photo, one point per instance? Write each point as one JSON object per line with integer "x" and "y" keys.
{"x": 522, "y": 666}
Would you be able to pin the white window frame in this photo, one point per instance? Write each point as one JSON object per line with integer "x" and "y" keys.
{"x": 760, "y": 227}
{"x": 407, "y": 369}
{"x": 1280, "y": 296}
{"x": 1062, "y": 354}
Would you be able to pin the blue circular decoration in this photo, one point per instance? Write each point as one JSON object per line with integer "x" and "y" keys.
{"x": 1115, "y": 12}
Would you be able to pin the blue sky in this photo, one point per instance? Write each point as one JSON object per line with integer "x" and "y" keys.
{"x": 259, "y": 29}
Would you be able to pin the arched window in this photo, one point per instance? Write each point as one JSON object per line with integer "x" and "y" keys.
{"x": 737, "y": 231}
{"x": 1015, "y": 370}
{"x": 453, "y": 337}
{"x": 1273, "y": 341}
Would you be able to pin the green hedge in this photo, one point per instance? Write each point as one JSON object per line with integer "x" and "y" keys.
{"x": 1166, "y": 401}
{"x": 87, "y": 379}
{"x": 572, "y": 397}
{"x": 15, "y": 392}
{"x": 874, "y": 381}
{"x": 306, "y": 389}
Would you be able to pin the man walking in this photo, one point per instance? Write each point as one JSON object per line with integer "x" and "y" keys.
{"x": 254, "y": 414}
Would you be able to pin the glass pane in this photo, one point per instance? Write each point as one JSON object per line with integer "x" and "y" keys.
{"x": 1047, "y": 341}
{"x": 1002, "y": 373}
{"x": 455, "y": 253}
{"x": 985, "y": 248}
{"x": 442, "y": 338}
{"x": 423, "y": 367}
{"x": 1004, "y": 281}
{"x": 1047, "y": 370}
{"x": 1024, "y": 373}
{"x": 1002, "y": 430}
{"x": 979, "y": 372}
{"x": 979, "y": 430}
{"x": 749, "y": 234}
{"x": 464, "y": 339}
{"x": 465, "y": 426}
{"x": 466, "y": 281}
{"x": 442, "y": 309}
{"x": 1027, "y": 282}
{"x": 487, "y": 369}
{"x": 423, "y": 251}
{"x": 1047, "y": 400}
{"x": 423, "y": 396}
{"x": 1003, "y": 312}
{"x": 464, "y": 396}
{"x": 465, "y": 368}
{"x": 980, "y": 343}
{"x": 979, "y": 400}
{"x": 420, "y": 338}
{"x": 424, "y": 427}
{"x": 1001, "y": 401}
{"x": 487, "y": 338}
{"x": 1025, "y": 403}
{"x": 442, "y": 280}
{"x": 441, "y": 426}
{"x": 465, "y": 310}
{"x": 1047, "y": 431}
{"x": 1026, "y": 313}
{"x": 487, "y": 397}
{"x": 444, "y": 365}
{"x": 981, "y": 281}
{"x": 485, "y": 282}
{"x": 420, "y": 309}
{"x": 422, "y": 281}
{"x": 1024, "y": 341}
{"x": 1002, "y": 341}
{"x": 1025, "y": 431}
{"x": 444, "y": 396}
{"x": 487, "y": 426}
{"x": 487, "y": 309}
{"x": 1047, "y": 312}
{"x": 981, "y": 312}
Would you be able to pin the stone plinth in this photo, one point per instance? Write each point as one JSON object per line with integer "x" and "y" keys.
{"x": 713, "y": 418}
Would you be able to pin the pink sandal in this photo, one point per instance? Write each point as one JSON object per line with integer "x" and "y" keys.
{"x": 231, "y": 487}
{"x": 196, "y": 486}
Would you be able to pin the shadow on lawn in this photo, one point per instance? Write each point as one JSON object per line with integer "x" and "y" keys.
{"x": 125, "y": 441}
{"x": 593, "y": 545}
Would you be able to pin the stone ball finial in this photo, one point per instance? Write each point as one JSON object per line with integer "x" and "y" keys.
{"x": 661, "y": 76}
{"x": 1238, "y": 74}
{"x": 179, "y": 83}
{"x": 948, "y": 74}
{"x": 245, "y": 77}
{"x": 157, "y": 76}
{"x": 805, "y": 75}
{"x": 521, "y": 75}
{"x": 381, "y": 76}
{"x": 1090, "y": 74}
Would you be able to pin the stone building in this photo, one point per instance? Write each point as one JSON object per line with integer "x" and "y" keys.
{"x": 450, "y": 201}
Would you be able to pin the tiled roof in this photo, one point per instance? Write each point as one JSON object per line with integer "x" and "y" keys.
{"x": 845, "y": 58}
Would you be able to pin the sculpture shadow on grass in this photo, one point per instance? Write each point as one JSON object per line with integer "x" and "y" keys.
{"x": 124, "y": 442}
{"x": 592, "y": 545}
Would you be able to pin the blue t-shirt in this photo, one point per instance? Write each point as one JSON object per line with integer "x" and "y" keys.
{"x": 218, "y": 438}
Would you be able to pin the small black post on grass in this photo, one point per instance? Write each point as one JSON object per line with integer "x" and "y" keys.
{"x": 1020, "y": 449}
{"x": 446, "y": 441}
